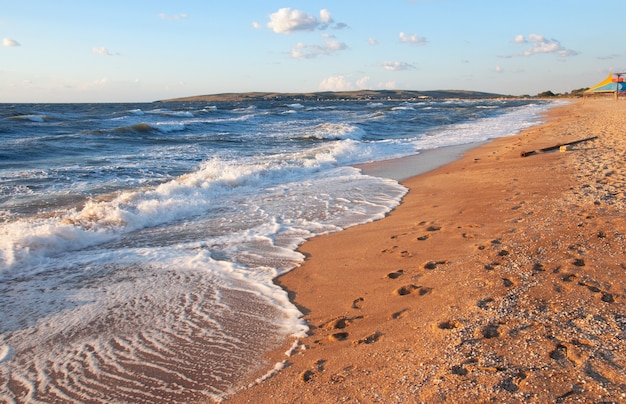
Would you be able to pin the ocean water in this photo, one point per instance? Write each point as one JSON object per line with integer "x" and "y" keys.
{"x": 138, "y": 242}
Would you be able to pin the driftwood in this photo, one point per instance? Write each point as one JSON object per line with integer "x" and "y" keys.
{"x": 558, "y": 146}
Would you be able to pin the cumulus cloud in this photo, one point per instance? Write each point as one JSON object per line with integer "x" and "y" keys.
{"x": 336, "y": 83}
{"x": 174, "y": 17}
{"x": 540, "y": 44}
{"x": 372, "y": 41}
{"x": 363, "y": 82}
{"x": 412, "y": 39}
{"x": 396, "y": 66}
{"x": 325, "y": 17}
{"x": 311, "y": 51}
{"x": 102, "y": 52}
{"x": 341, "y": 83}
{"x": 520, "y": 39}
{"x": 256, "y": 25}
{"x": 10, "y": 43}
{"x": 288, "y": 21}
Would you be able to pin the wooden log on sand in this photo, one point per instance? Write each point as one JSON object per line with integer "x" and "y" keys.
{"x": 558, "y": 146}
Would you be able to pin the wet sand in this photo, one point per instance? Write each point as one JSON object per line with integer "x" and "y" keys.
{"x": 499, "y": 278}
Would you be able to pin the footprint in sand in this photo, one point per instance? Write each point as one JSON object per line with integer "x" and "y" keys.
{"x": 395, "y": 274}
{"x": 608, "y": 298}
{"x": 449, "y": 325}
{"x": 307, "y": 376}
{"x": 430, "y": 265}
{"x": 357, "y": 303}
{"x": 369, "y": 339}
{"x": 568, "y": 277}
{"x": 486, "y": 304}
{"x": 459, "y": 370}
{"x": 491, "y": 266}
{"x": 424, "y": 291}
{"x": 538, "y": 267}
{"x": 406, "y": 290}
{"x": 559, "y": 352}
{"x": 490, "y": 331}
{"x": 338, "y": 336}
{"x": 400, "y": 314}
{"x": 409, "y": 289}
{"x": 336, "y": 327}
{"x": 507, "y": 282}
{"x": 336, "y": 324}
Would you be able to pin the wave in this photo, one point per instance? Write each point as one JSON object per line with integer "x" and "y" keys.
{"x": 167, "y": 112}
{"x": 30, "y": 242}
{"x": 30, "y": 117}
{"x": 334, "y": 131}
{"x": 144, "y": 127}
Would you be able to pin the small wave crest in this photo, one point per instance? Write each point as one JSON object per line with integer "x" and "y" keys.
{"x": 335, "y": 131}
{"x": 144, "y": 128}
{"x": 30, "y": 118}
{"x": 167, "y": 112}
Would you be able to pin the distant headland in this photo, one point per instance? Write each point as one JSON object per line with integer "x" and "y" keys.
{"x": 361, "y": 95}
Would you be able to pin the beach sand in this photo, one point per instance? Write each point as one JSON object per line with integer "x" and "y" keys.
{"x": 499, "y": 278}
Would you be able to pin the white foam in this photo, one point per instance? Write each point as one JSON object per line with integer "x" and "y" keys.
{"x": 336, "y": 131}
{"x": 31, "y": 118}
{"x": 5, "y": 353}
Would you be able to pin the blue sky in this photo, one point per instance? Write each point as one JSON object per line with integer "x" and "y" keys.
{"x": 83, "y": 51}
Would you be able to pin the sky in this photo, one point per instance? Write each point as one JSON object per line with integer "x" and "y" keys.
{"x": 142, "y": 51}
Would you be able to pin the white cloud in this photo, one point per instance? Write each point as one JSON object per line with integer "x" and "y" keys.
{"x": 412, "y": 39}
{"x": 288, "y": 21}
{"x": 325, "y": 17}
{"x": 336, "y": 83}
{"x": 519, "y": 39}
{"x": 396, "y": 66}
{"x": 311, "y": 51}
{"x": 256, "y": 25}
{"x": 10, "y": 43}
{"x": 103, "y": 52}
{"x": 362, "y": 83}
{"x": 540, "y": 44}
{"x": 372, "y": 41}
{"x": 175, "y": 17}
{"x": 499, "y": 69}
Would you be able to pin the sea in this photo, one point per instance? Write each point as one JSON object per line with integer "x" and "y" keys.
{"x": 139, "y": 242}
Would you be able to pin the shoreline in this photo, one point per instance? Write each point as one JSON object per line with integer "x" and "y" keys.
{"x": 403, "y": 168}
{"x": 497, "y": 277}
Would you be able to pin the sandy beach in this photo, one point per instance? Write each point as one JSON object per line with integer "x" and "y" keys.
{"x": 499, "y": 278}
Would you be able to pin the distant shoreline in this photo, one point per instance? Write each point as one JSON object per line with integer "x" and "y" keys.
{"x": 361, "y": 95}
